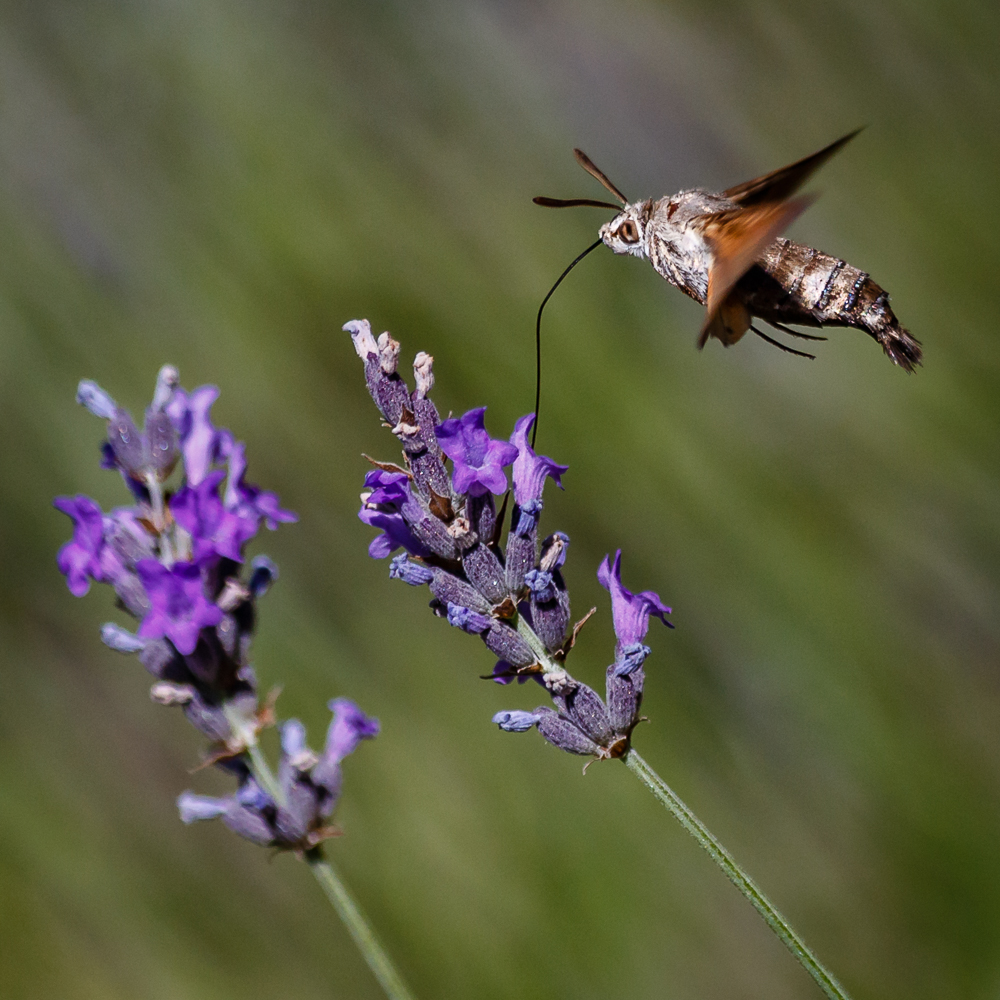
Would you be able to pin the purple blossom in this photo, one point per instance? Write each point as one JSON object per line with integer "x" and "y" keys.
{"x": 630, "y": 611}
{"x": 249, "y": 501}
{"x": 214, "y": 530}
{"x": 179, "y": 609}
{"x": 381, "y": 509}
{"x": 478, "y": 459}
{"x": 189, "y": 413}
{"x": 529, "y": 469}
{"x": 80, "y": 559}
{"x": 348, "y": 728}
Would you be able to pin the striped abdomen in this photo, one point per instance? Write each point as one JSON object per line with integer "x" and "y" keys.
{"x": 796, "y": 284}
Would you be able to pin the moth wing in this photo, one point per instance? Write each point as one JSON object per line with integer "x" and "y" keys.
{"x": 781, "y": 184}
{"x": 738, "y": 237}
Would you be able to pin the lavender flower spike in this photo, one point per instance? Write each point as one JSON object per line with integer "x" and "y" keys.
{"x": 92, "y": 396}
{"x": 479, "y": 460}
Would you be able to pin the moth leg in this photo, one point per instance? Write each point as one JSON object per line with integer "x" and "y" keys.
{"x": 792, "y": 333}
{"x": 787, "y": 350}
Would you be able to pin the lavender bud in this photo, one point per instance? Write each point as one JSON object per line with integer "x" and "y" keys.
{"x": 263, "y": 572}
{"x": 388, "y": 391}
{"x": 249, "y": 825}
{"x": 361, "y": 333}
{"x": 209, "y": 720}
{"x": 168, "y": 693}
{"x": 562, "y": 733}
{"x": 126, "y": 442}
{"x": 468, "y": 621}
{"x": 584, "y": 707}
{"x": 416, "y": 575}
{"x": 161, "y": 440}
{"x": 482, "y": 513}
{"x": 551, "y": 617}
{"x": 450, "y": 589}
{"x": 388, "y": 353}
{"x": 166, "y": 381}
{"x": 539, "y": 582}
{"x": 504, "y": 641}
{"x": 157, "y": 656}
{"x": 624, "y": 698}
{"x": 630, "y": 659}
{"x": 120, "y": 639}
{"x": 527, "y": 517}
{"x": 428, "y": 530}
{"x": 423, "y": 372}
{"x": 291, "y": 822}
{"x": 130, "y": 591}
{"x": 521, "y": 555}
{"x": 198, "y": 807}
{"x": 485, "y": 573}
{"x": 92, "y": 396}
{"x": 228, "y": 634}
{"x": 516, "y": 721}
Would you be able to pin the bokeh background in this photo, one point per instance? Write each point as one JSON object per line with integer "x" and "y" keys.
{"x": 221, "y": 185}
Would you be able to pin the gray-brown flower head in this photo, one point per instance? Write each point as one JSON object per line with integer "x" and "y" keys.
{"x": 512, "y": 595}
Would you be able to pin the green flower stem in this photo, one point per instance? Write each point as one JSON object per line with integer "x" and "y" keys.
{"x": 364, "y": 937}
{"x": 824, "y": 979}
{"x": 262, "y": 773}
{"x": 348, "y": 911}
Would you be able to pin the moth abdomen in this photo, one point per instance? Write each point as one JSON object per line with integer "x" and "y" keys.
{"x": 799, "y": 285}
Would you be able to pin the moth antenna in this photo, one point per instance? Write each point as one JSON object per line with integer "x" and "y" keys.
{"x": 787, "y": 350}
{"x": 588, "y": 164}
{"x": 538, "y": 336}
{"x": 793, "y": 333}
{"x": 573, "y": 203}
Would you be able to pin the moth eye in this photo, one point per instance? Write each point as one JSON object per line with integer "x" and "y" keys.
{"x": 628, "y": 231}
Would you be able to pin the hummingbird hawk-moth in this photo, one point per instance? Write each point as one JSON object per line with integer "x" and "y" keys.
{"x": 725, "y": 251}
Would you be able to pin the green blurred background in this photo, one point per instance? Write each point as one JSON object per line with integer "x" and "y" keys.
{"x": 221, "y": 185}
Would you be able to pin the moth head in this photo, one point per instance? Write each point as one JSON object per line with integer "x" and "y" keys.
{"x": 626, "y": 232}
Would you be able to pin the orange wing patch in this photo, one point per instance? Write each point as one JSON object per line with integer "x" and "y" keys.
{"x": 738, "y": 238}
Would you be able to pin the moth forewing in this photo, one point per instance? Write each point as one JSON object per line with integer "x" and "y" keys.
{"x": 738, "y": 239}
{"x": 785, "y": 181}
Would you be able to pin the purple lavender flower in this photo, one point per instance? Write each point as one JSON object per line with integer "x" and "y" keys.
{"x": 631, "y": 613}
{"x": 174, "y": 564}
{"x": 530, "y": 470}
{"x": 189, "y": 413}
{"x": 179, "y": 609}
{"x": 513, "y": 597}
{"x": 175, "y": 560}
{"x": 80, "y": 559}
{"x": 382, "y": 508}
{"x": 214, "y": 529}
{"x": 478, "y": 459}
{"x": 250, "y": 502}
